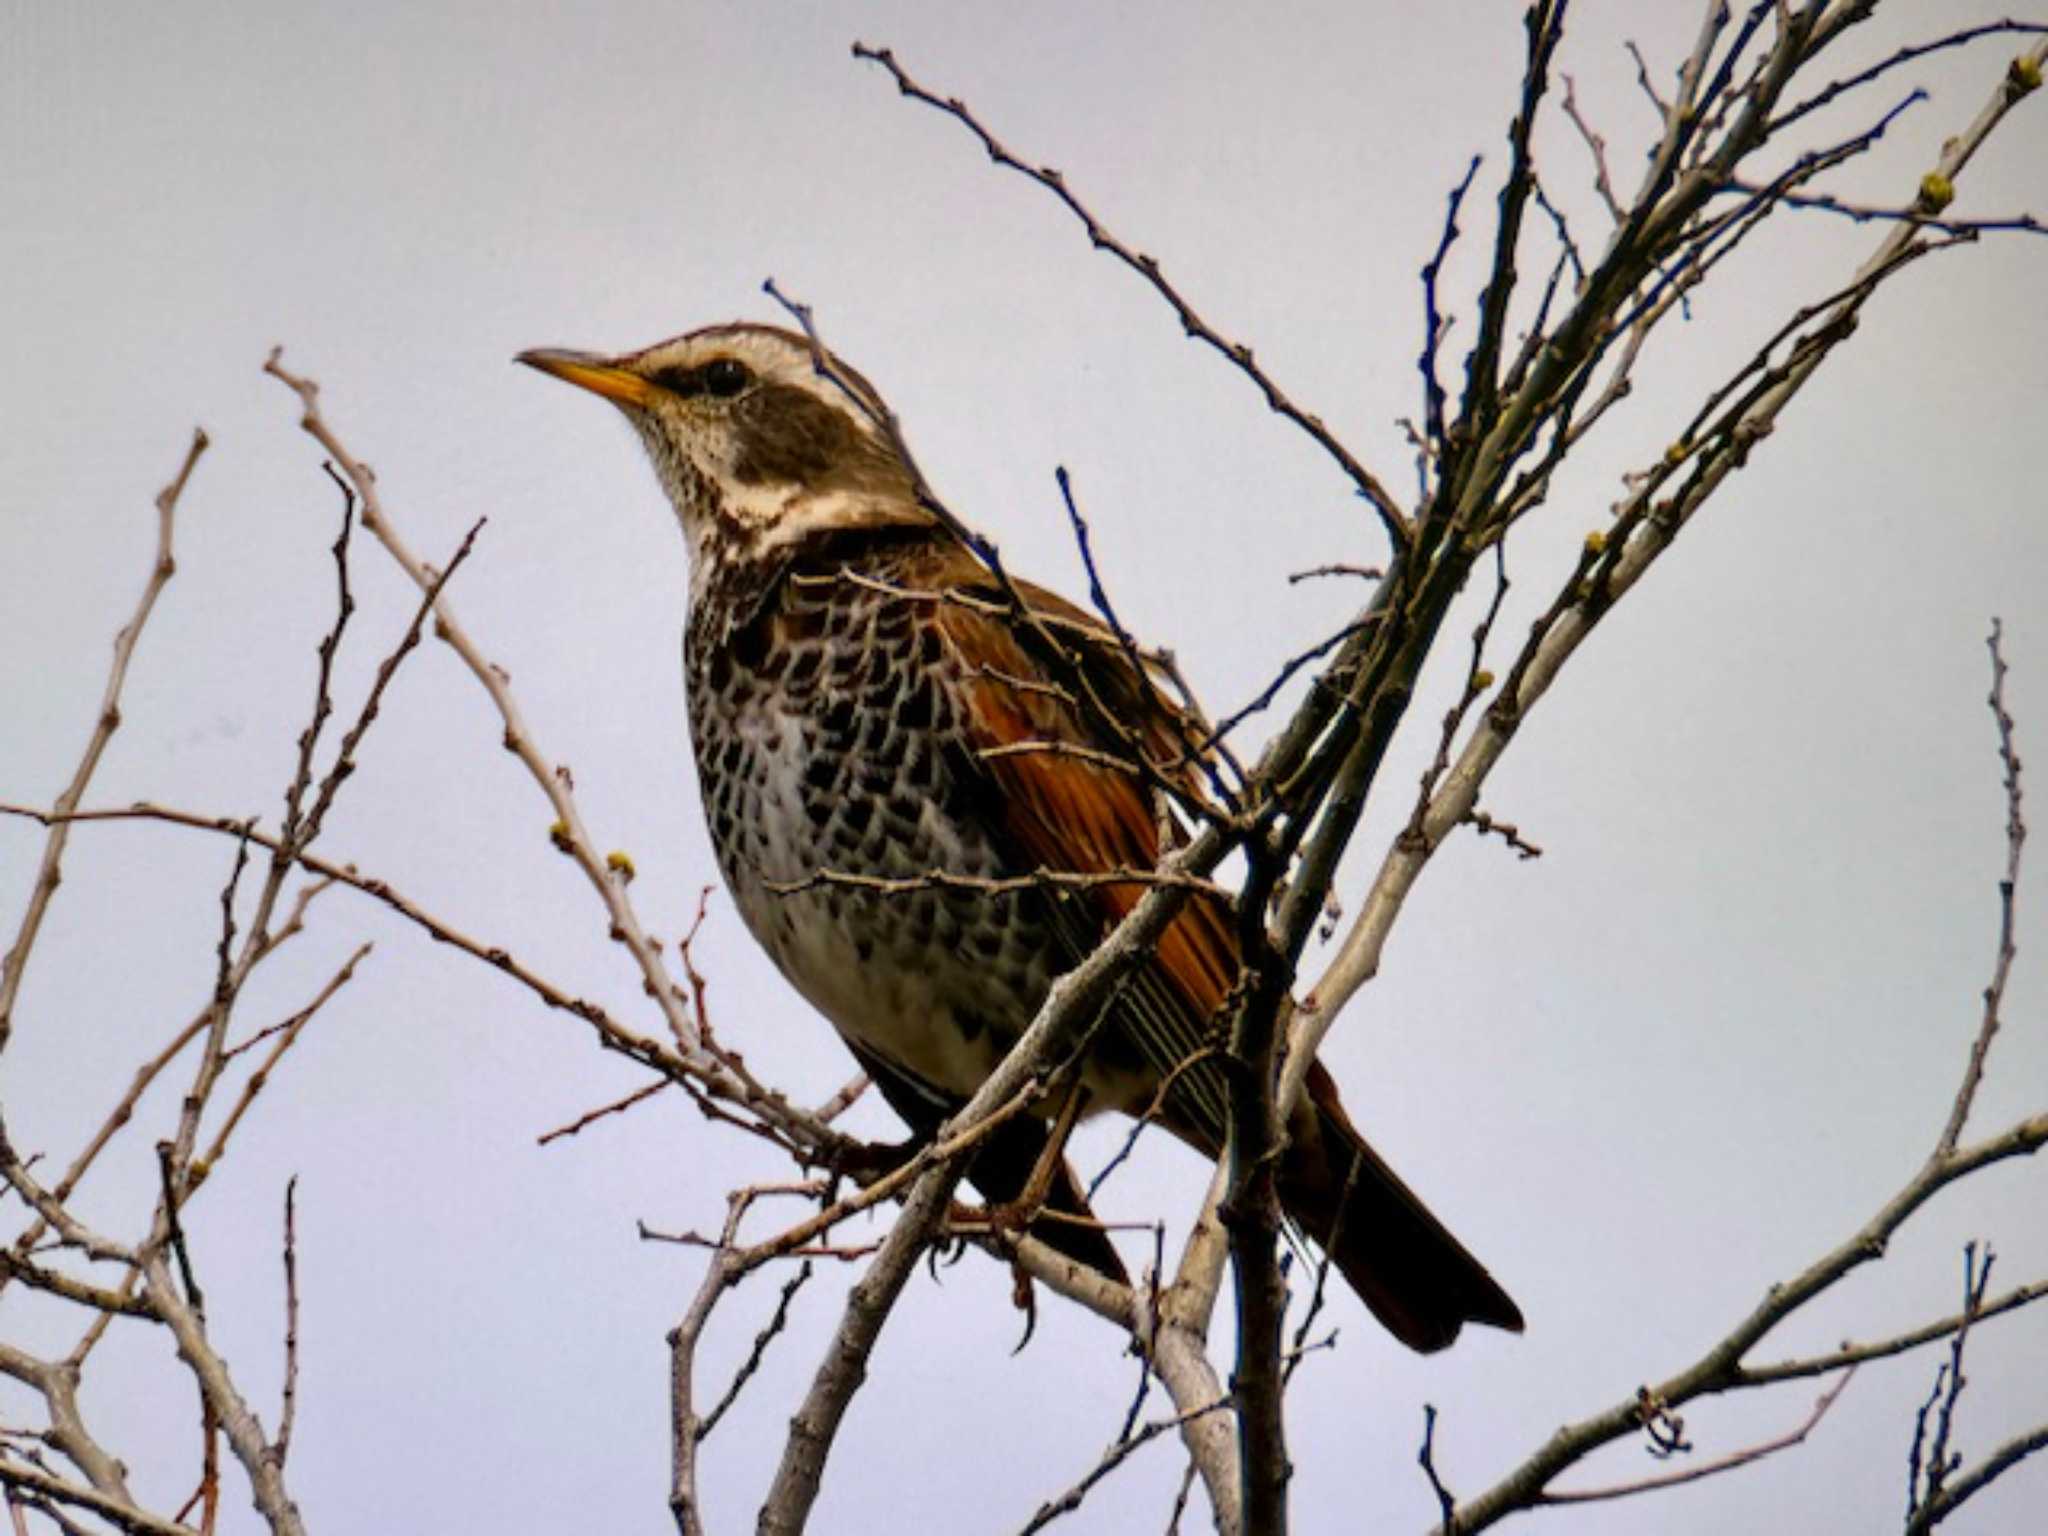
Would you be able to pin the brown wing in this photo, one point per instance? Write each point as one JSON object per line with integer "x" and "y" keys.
{"x": 1060, "y": 795}
{"x": 1068, "y": 794}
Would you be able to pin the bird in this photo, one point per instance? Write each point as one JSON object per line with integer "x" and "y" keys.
{"x": 896, "y": 768}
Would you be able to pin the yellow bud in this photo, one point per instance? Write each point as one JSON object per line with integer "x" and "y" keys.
{"x": 558, "y": 834}
{"x": 1675, "y": 454}
{"x": 2025, "y": 75}
{"x": 620, "y": 864}
{"x": 1482, "y": 679}
{"x": 1596, "y": 541}
{"x": 1936, "y": 193}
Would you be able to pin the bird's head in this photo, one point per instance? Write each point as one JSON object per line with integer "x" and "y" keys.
{"x": 758, "y": 437}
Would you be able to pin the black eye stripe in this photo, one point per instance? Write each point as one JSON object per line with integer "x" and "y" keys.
{"x": 680, "y": 381}
{"x": 723, "y": 377}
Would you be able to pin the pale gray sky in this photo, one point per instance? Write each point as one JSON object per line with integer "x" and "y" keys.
{"x": 1645, "y": 1076}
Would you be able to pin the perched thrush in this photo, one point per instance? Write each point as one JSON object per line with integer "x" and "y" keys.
{"x": 866, "y": 707}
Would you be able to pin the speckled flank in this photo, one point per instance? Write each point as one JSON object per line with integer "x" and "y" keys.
{"x": 827, "y": 734}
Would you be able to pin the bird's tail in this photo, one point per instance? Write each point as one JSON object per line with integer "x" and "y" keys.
{"x": 1418, "y": 1279}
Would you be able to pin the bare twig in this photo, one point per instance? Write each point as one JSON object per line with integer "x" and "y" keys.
{"x": 1897, "y": 1344}
{"x": 1926, "y": 1479}
{"x": 624, "y": 922}
{"x": 1596, "y": 147}
{"x": 1976, "y": 1479}
{"x": 1907, "y": 54}
{"x": 1720, "y": 1368}
{"x": 288, "y": 1408}
{"x": 1392, "y": 518}
{"x": 616, "y": 1106}
{"x": 759, "y": 1352}
{"x": 345, "y": 757}
{"x": 2008, "y": 888}
{"x": 1917, "y": 213}
{"x": 1073, "y": 999}
{"x": 1435, "y": 326}
{"x": 33, "y": 1482}
{"x": 49, "y": 872}
{"x": 1286, "y": 674}
{"x": 1490, "y": 826}
{"x": 612, "y": 1034}
{"x": 286, "y": 1036}
{"x": 1446, "y": 1501}
{"x": 1361, "y": 572}
{"x": 323, "y": 677}
{"x": 1611, "y": 564}
{"x": 1119, "y": 1451}
{"x": 1713, "y": 1467}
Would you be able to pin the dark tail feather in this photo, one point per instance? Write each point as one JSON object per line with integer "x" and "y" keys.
{"x": 1418, "y": 1279}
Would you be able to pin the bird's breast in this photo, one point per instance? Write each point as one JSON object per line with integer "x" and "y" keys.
{"x": 831, "y": 763}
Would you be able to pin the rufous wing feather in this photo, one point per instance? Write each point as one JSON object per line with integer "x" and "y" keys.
{"x": 1071, "y": 796}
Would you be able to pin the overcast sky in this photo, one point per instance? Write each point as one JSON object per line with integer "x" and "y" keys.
{"x": 1645, "y": 1076}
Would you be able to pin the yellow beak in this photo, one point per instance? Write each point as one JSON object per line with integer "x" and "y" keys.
{"x": 587, "y": 371}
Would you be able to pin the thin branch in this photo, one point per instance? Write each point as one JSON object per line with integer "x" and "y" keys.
{"x": 344, "y": 758}
{"x": 1698, "y": 1470}
{"x": 286, "y": 1036}
{"x": 1446, "y": 1501}
{"x": 1199, "y": 754}
{"x": 20, "y": 1478}
{"x": 1544, "y": 22}
{"x": 323, "y": 676}
{"x": 624, "y": 922}
{"x": 175, "y": 1232}
{"x": 54, "y": 1282}
{"x": 2008, "y": 888}
{"x": 1924, "y": 1481}
{"x": 842, "y": 1100}
{"x": 767, "y": 1335}
{"x": 685, "y": 1430}
{"x": 1720, "y": 1368}
{"x": 50, "y": 872}
{"x": 1917, "y": 213}
{"x": 223, "y": 1399}
{"x": 1392, "y": 519}
{"x": 71, "y": 1232}
{"x": 1978, "y": 1478}
{"x": 1905, "y": 55}
{"x": 1435, "y": 325}
{"x": 1897, "y": 1344}
{"x": 1490, "y": 826}
{"x": 1596, "y": 146}
{"x": 1285, "y": 674}
{"x": 1119, "y": 1451}
{"x": 1362, "y": 572}
{"x": 612, "y": 1034}
{"x": 1609, "y": 565}
{"x": 288, "y": 1408}
{"x": 615, "y": 1107}
{"x": 1074, "y": 1000}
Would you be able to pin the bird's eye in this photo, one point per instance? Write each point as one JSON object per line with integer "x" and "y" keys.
{"x": 726, "y": 377}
